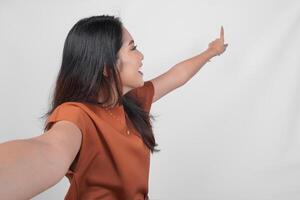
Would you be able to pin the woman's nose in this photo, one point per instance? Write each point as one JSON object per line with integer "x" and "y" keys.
{"x": 142, "y": 56}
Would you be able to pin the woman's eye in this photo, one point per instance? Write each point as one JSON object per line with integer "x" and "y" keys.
{"x": 134, "y": 47}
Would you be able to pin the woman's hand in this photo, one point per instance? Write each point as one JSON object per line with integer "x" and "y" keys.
{"x": 217, "y": 46}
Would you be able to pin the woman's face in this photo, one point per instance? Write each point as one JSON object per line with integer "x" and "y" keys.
{"x": 129, "y": 63}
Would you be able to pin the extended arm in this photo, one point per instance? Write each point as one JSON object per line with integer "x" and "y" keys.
{"x": 30, "y": 166}
{"x": 179, "y": 74}
{"x": 26, "y": 169}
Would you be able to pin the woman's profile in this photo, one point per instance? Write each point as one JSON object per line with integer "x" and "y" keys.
{"x": 98, "y": 129}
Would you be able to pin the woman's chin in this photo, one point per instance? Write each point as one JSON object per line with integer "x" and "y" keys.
{"x": 142, "y": 83}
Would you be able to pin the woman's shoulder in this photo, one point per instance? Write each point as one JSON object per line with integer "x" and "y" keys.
{"x": 82, "y": 105}
{"x": 84, "y": 108}
{"x": 144, "y": 94}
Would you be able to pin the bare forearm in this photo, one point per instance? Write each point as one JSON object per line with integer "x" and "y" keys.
{"x": 24, "y": 169}
{"x": 192, "y": 65}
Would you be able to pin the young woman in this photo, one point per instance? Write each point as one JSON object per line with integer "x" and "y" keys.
{"x": 98, "y": 130}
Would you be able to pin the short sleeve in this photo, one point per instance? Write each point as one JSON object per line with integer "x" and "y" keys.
{"x": 144, "y": 94}
{"x": 68, "y": 112}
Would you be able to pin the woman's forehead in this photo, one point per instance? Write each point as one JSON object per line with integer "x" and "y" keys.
{"x": 127, "y": 38}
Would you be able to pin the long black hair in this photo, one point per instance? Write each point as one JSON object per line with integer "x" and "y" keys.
{"x": 92, "y": 46}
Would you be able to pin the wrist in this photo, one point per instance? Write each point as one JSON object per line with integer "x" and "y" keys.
{"x": 210, "y": 53}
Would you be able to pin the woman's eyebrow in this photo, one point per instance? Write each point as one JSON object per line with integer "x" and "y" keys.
{"x": 132, "y": 41}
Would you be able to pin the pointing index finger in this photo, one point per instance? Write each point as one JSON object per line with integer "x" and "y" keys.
{"x": 222, "y": 34}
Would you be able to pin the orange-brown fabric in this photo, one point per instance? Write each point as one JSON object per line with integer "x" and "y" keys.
{"x": 110, "y": 165}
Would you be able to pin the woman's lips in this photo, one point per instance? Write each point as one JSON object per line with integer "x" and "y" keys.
{"x": 140, "y": 70}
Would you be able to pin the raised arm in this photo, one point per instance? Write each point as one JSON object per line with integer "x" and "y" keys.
{"x": 30, "y": 166}
{"x": 182, "y": 72}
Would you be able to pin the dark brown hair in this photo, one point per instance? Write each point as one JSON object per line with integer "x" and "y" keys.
{"x": 91, "y": 45}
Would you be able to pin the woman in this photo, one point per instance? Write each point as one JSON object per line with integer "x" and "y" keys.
{"x": 98, "y": 130}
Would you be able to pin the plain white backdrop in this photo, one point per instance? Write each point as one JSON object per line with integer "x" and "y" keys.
{"x": 231, "y": 133}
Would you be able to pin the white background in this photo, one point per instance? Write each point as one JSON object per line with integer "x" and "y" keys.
{"x": 231, "y": 133}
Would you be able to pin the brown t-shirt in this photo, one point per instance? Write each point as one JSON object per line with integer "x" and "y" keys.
{"x": 111, "y": 164}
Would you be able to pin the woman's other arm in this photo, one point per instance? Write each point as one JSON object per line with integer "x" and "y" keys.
{"x": 181, "y": 73}
{"x": 31, "y": 166}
